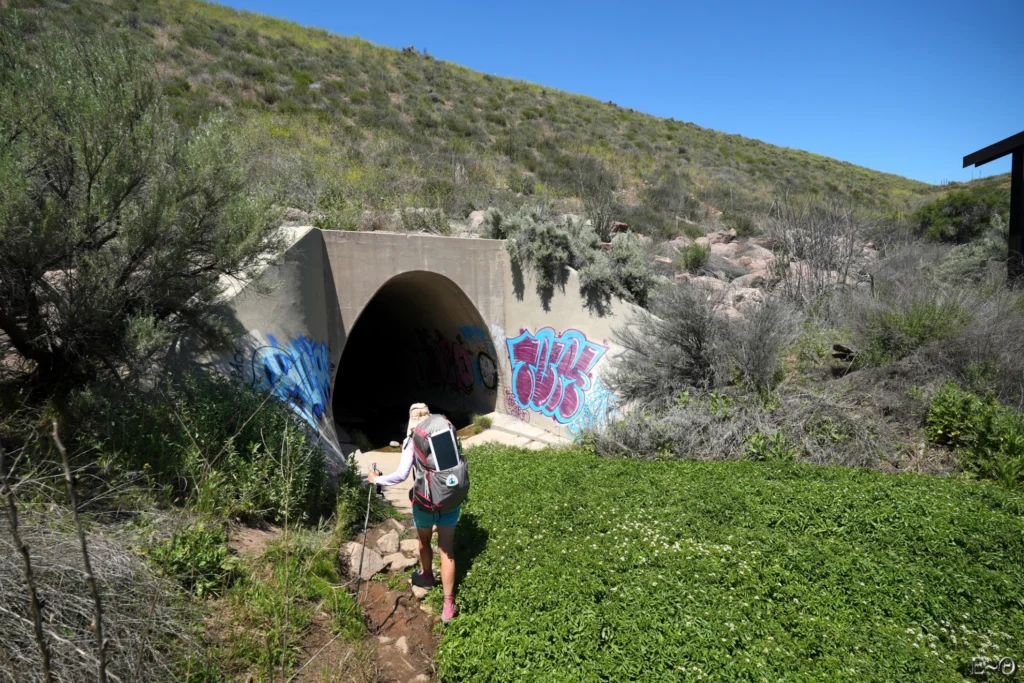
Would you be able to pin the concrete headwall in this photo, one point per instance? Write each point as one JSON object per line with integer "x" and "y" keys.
{"x": 358, "y": 325}
{"x": 556, "y": 351}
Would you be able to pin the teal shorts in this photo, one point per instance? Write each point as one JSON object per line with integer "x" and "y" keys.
{"x": 426, "y": 520}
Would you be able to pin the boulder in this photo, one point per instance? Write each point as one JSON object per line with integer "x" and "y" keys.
{"x": 745, "y": 299}
{"x": 475, "y": 220}
{"x": 409, "y": 545}
{"x": 680, "y": 243}
{"x": 420, "y": 592}
{"x": 619, "y": 226}
{"x": 394, "y": 524}
{"x": 754, "y": 279}
{"x": 728, "y": 312}
{"x": 293, "y": 216}
{"x": 388, "y": 543}
{"x": 399, "y": 562}
{"x": 663, "y": 259}
{"x": 372, "y": 561}
{"x": 721, "y": 236}
{"x": 706, "y": 283}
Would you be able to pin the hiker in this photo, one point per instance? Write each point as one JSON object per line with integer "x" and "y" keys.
{"x": 441, "y": 480}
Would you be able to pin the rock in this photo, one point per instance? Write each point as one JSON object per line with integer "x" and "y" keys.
{"x": 745, "y": 299}
{"x": 618, "y": 227}
{"x": 663, "y": 259}
{"x": 703, "y": 241}
{"x": 426, "y": 607}
{"x": 756, "y": 279}
{"x": 680, "y": 243}
{"x": 410, "y": 545}
{"x": 399, "y": 562}
{"x": 293, "y": 216}
{"x": 384, "y": 640}
{"x": 707, "y": 283}
{"x": 349, "y": 556}
{"x": 420, "y": 592}
{"x": 843, "y": 352}
{"x": 728, "y": 312}
{"x": 395, "y": 525}
{"x": 422, "y": 678}
{"x": 475, "y": 220}
{"x": 395, "y": 444}
{"x": 722, "y": 236}
{"x": 388, "y": 543}
{"x": 403, "y": 645}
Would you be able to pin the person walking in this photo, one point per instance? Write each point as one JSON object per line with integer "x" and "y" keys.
{"x": 441, "y": 483}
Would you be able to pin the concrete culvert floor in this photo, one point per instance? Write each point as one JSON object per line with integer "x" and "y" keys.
{"x": 419, "y": 340}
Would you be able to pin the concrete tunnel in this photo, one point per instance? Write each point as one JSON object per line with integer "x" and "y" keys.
{"x": 419, "y": 340}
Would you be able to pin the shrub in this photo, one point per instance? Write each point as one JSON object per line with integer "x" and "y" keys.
{"x": 772, "y": 447}
{"x": 893, "y": 334}
{"x": 961, "y": 215}
{"x": 693, "y": 257}
{"x": 196, "y": 557}
{"x": 988, "y": 437}
{"x": 679, "y": 344}
{"x": 127, "y": 221}
{"x": 197, "y": 439}
{"x": 534, "y": 241}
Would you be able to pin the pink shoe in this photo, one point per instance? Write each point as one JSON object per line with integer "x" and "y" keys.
{"x": 448, "y": 613}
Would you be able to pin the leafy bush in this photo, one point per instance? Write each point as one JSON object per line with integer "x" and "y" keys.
{"x": 961, "y": 215}
{"x": 196, "y": 557}
{"x": 893, "y": 334}
{"x": 693, "y": 257}
{"x": 988, "y": 437}
{"x": 768, "y": 447}
{"x": 536, "y": 242}
{"x": 197, "y": 439}
{"x": 745, "y": 571}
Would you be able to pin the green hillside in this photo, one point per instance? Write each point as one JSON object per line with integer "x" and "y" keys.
{"x": 344, "y": 126}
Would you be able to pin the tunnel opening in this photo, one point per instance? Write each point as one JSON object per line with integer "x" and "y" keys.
{"x": 419, "y": 340}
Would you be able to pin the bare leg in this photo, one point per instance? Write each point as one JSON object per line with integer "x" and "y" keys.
{"x": 446, "y": 544}
{"x": 426, "y": 552}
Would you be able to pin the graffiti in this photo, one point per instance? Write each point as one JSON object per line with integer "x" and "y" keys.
{"x": 458, "y": 364}
{"x": 551, "y": 374}
{"x": 488, "y": 370}
{"x": 298, "y": 372}
{"x": 513, "y": 409}
{"x": 599, "y": 410}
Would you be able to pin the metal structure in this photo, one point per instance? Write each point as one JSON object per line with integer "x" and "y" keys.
{"x": 1012, "y": 145}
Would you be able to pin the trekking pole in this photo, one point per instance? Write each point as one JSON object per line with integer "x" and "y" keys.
{"x": 366, "y": 528}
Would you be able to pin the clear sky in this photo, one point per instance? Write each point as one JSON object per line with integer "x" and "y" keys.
{"x": 904, "y": 87}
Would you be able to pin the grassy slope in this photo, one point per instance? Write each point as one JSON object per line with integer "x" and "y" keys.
{"x": 333, "y": 117}
{"x": 591, "y": 569}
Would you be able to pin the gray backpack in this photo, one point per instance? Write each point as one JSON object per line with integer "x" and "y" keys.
{"x": 440, "y": 474}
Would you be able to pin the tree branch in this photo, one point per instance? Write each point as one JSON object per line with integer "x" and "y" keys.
{"x": 101, "y": 648}
{"x": 33, "y": 597}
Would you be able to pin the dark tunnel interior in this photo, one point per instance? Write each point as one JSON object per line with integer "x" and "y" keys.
{"x": 419, "y": 340}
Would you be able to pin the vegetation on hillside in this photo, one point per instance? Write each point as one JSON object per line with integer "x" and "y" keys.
{"x": 737, "y": 571}
{"x": 117, "y": 227}
{"x": 355, "y": 131}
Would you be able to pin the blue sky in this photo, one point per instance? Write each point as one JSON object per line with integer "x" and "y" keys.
{"x": 903, "y": 87}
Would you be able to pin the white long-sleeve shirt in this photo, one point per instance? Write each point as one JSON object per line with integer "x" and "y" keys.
{"x": 404, "y": 466}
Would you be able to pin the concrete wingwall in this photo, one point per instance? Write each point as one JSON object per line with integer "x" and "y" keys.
{"x": 355, "y": 322}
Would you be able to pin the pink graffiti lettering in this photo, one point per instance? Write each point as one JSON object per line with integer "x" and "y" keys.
{"x": 552, "y": 373}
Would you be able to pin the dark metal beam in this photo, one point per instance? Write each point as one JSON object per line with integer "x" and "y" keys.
{"x": 1015, "y": 263}
{"x": 993, "y": 152}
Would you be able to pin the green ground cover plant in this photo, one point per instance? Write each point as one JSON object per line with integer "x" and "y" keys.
{"x": 606, "y": 569}
{"x": 988, "y": 436}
